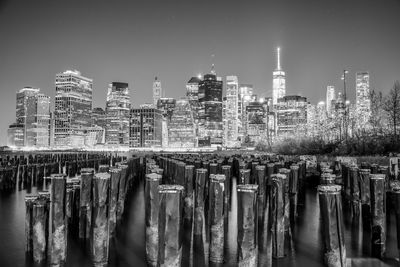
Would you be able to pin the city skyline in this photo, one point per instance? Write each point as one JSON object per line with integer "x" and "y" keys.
{"x": 251, "y": 55}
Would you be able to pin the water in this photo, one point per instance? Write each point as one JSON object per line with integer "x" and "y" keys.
{"x": 128, "y": 248}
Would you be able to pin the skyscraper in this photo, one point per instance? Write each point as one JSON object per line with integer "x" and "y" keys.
{"x": 117, "y": 114}
{"x": 181, "y": 129}
{"x": 278, "y": 82}
{"x": 73, "y": 106}
{"x": 291, "y": 112}
{"x": 244, "y": 98}
{"x": 157, "y": 91}
{"x": 23, "y": 97}
{"x": 192, "y": 89}
{"x": 33, "y": 113}
{"x": 210, "y": 112}
{"x": 363, "y": 100}
{"x": 330, "y": 96}
{"x": 231, "y": 119}
{"x": 146, "y": 127}
{"x": 37, "y": 126}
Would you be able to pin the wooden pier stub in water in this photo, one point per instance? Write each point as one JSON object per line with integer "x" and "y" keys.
{"x": 332, "y": 225}
{"x": 170, "y": 225}
{"x": 247, "y": 225}
{"x": 378, "y": 213}
{"x": 216, "y": 195}
{"x": 152, "y": 207}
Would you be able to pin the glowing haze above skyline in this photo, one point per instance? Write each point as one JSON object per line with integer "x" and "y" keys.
{"x": 134, "y": 41}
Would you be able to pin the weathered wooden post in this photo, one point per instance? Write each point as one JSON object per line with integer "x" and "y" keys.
{"x": 396, "y": 194}
{"x": 355, "y": 191}
{"x": 29, "y": 201}
{"x": 200, "y": 252}
{"x": 151, "y": 216}
{"x": 394, "y": 168}
{"x": 327, "y": 178}
{"x": 378, "y": 212}
{"x": 364, "y": 177}
{"x": 189, "y": 193}
{"x": 100, "y": 234}
{"x": 293, "y": 189}
{"x": 244, "y": 176}
{"x": 85, "y": 200}
{"x": 40, "y": 219}
{"x": 332, "y": 225}
{"x": 170, "y": 225}
{"x": 226, "y": 170}
{"x": 216, "y": 195}
{"x": 114, "y": 190}
{"x": 286, "y": 202}
{"x": 254, "y": 173}
{"x": 278, "y": 215}
{"x": 57, "y": 222}
{"x": 123, "y": 184}
{"x": 247, "y": 225}
{"x": 260, "y": 180}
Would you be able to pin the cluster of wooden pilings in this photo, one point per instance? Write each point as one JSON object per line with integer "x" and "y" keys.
{"x": 365, "y": 189}
{"x": 88, "y": 206}
{"x": 188, "y": 198}
{"x": 26, "y": 170}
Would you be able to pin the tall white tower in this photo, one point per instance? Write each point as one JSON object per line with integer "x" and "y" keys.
{"x": 157, "y": 91}
{"x": 278, "y": 82}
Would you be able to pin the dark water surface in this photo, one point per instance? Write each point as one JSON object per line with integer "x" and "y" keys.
{"x": 128, "y": 248}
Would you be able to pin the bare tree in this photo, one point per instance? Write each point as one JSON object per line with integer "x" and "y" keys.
{"x": 377, "y": 117}
{"x": 392, "y": 106}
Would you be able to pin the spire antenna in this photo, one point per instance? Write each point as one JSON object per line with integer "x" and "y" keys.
{"x": 213, "y": 66}
{"x": 279, "y": 58}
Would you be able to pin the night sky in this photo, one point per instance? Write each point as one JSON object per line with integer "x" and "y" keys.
{"x": 134, "y": 41}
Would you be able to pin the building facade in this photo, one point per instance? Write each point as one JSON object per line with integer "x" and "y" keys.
{"x": 255, "y": 123}
{"x": 363, "y": 99}
{"x": 15, "y": 135}
{"x": 244, "y": 98}
{"x": 210, "y": 111}
{"x": 37, "y": 126}
{"x": 181, "y": 128}
{"x": 291, "y": 113}
{"x": 231, "y": 119}
{"x": 73, "y": 107}
{"x": 117, "y": 115}
{"x": 146, "y": 127}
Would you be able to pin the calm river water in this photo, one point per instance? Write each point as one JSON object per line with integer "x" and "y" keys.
{"x": 128, "y": 248}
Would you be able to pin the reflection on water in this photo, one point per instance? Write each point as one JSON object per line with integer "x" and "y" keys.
{"x": 128, "y": 248}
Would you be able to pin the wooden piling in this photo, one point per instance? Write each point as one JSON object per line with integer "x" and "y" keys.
{"x": 396, "y": 195}
{"x": 170, "y": 225}
{"x": 216, "y": 195}
{"x": 247, "y": 225}
{"x": 40, "y": 214}
{"x": 99, "y": 238}
{"x": 85, "y": 200}
{"x": 152, "y": 207}
{"x": 115, "y": 173}
{"x": 199, "y": 239}
{"x": 58, "y": 224}
{"x": 332, "y": 225}
{"x": 244, "y": 176}
{"x": 378, "y": 212}
{"x": 278, "y": 215}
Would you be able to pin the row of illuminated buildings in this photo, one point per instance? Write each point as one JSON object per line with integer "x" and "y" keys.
{"x": 214, "y": 112}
